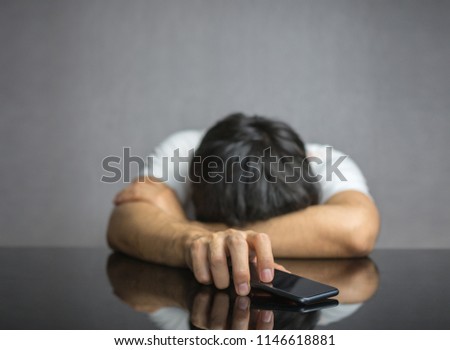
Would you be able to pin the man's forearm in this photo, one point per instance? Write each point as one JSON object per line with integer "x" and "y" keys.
{"x": 346, "y": 226}
{"x": 146, "y": 232}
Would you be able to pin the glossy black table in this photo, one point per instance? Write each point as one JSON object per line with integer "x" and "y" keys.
{"x": 87, "y": 288}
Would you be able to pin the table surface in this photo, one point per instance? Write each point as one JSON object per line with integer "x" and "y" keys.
{"x": 93, "y": 288}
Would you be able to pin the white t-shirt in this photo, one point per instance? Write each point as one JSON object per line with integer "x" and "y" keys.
{"x": 322, "y": 159}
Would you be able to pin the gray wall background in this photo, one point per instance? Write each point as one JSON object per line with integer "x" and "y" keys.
{"x": 80, "y": 80}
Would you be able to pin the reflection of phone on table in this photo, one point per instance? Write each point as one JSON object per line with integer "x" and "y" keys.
{"x": 274, "y": 303}
{"x": 299, "y": 289}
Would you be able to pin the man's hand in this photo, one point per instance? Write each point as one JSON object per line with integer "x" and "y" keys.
{"x": 207, "y": 256}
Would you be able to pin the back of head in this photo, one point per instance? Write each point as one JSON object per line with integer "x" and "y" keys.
{"x": 248, "y": 169}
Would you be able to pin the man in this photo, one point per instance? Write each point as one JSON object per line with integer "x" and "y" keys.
{"x": 252, "y": 191}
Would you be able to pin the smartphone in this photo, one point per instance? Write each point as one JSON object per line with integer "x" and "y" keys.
{"x": 283, "y": 304}
{"x": 293, "y": 287}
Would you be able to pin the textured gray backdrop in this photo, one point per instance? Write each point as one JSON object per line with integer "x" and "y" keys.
{"x": 82, "y": 79}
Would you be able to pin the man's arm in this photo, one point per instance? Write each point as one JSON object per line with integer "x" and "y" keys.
{"x": 149, "y": 223}
{"x": 346, "y": 225}
{"x": 143, "y": 230}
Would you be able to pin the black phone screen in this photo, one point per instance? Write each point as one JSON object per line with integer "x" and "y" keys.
{"x": 294, "y": 287}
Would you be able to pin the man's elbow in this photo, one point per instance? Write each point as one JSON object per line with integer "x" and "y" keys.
{"x": 364, "y": 234}
{"x": 111, "y": 233}
{"x": 118, "y": 234}
{"x": 362, "y": 245}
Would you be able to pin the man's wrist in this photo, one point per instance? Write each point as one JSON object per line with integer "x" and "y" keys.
{"x": 192, "y": 233}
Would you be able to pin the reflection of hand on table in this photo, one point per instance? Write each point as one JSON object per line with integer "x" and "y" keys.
{"x": 213, "y": 309}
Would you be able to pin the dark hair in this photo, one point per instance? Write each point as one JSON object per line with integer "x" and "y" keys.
{"x": 234, "y": 180}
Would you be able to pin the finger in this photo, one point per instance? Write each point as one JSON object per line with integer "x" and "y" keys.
{"x": 199, "y": 261}
{"x": 263, "y": 248}
{"x": 241, "y": 313}
{"x": 265, "y": 320}
{"x": 281, "y": 267}
{"x": 200, "y": 309}
{"x": 238, "y": 248}
{"x": 219, "y": 311}
{"x": 218, "y": 265}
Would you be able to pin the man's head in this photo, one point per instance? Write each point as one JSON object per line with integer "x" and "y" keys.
{"x": 248, "y": 169}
